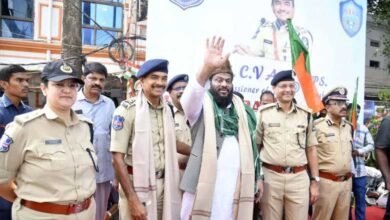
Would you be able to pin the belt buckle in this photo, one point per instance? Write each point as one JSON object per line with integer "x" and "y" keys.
{"x": 77, "y": 207}
{"x": 159, "y": 174}
{"x": 287, "y": 169}
{"x": 342, "y": 178}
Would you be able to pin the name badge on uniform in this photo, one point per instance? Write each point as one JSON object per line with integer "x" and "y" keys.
{"x": 274, "y": 124}
{"x": 267, "y": 41}
{"x": 330, "y": 134}
{"x": 5, "y": 142}
{"x": 54, "y": 141}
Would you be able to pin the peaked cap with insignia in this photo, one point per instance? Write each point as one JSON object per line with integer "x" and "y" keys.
{"x": 59, "y": 70}
{"x": 338, "y": 93}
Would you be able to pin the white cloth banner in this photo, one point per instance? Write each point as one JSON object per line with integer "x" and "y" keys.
{"x": 334, "y": 32}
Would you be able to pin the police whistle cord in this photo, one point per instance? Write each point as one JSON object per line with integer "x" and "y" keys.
{"x": 93, "y": 161}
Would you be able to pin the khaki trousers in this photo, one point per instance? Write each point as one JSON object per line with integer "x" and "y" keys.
{"x": 20, "y": 212}
{"x": 288, "y": 193}
{"x": 124, "y": 213}
{"x": 334, "y": 201}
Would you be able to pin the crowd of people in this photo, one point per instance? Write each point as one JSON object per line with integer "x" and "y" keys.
{"x": 203, "y": 155}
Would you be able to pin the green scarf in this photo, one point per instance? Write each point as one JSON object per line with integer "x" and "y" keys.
{"x": 225, "y": 123}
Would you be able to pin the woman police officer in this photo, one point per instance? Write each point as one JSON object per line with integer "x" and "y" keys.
{"x": 48, "y": 155}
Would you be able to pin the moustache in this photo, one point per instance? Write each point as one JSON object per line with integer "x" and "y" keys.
{"x": 159, "y": 87}
{"x": 97, "y": 86}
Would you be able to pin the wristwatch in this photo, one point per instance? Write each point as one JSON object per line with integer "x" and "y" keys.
{"x": 315, "y": 178}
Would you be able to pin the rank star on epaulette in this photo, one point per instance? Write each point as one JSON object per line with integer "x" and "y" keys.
{"x": 128, "y": 103}
{"x": 5, "y": 142}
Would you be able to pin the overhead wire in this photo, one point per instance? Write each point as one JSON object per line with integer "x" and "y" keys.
{"x": 82, "y": 56}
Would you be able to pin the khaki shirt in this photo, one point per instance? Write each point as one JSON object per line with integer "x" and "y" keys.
{"x": 48, "y": 158}
{"x": 334, "y": 146}
{"x": 183, "y": 132}
{"x": 272, "y": 41}
{"x": 283, "y": 135}
{"x": 122, "y": 136}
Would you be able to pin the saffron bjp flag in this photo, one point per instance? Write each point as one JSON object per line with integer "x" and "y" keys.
{"x": 301, "y": 66}
{"x": 353, "y": 113}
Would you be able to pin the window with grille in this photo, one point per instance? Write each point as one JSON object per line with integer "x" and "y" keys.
{"x": 108, "y": 14}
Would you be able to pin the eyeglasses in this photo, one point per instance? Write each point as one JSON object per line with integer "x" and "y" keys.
{"x": 179, "y": 88}
{"x": 220, "y": 80}
{"x": 338, "y": 102}
{"x": 285, "y": 86}
{"x": 72, "y": 86}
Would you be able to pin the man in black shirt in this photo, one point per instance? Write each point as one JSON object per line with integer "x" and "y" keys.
{"x": 382, "y": 149}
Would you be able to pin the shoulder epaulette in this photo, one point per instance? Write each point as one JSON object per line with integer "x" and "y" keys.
{"x": 348, "y": 122}
{"x": 85, "y": 119}
{"x": 267, "y": 106}
{"x": 128, "y": 103}
{"x": 318, "y": 120}
{"x": 25, "y": 118}
{"x": 304, "y": 108}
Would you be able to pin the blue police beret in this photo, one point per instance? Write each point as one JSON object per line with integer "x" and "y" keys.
{"x": 59, "y": 70}
{"x": 177, "y": 78}
{"x": 338, "y": 93}
{"x": 285, "y": 75}
{"x": 153, "y": 65}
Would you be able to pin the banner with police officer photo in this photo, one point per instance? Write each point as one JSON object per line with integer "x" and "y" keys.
{"x": 256, "y": 34}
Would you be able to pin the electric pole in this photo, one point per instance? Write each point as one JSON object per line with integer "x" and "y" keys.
{"x": 71, "y": 33}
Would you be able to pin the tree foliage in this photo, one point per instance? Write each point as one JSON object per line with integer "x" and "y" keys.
{"x": 384, "y": 95}
{"x": 380, "y": 11}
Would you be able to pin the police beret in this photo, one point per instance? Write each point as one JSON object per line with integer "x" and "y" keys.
{"x": 153, "y": 65}
{"x": 177, "y": 78}
{"x": 59, "y": 70}
{"x": 285, "y": 75}
{"x": 338, "y": 93}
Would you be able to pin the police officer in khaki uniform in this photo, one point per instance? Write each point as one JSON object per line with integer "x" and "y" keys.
{"x": 287, "y": 141}
{"x": 153, "y": 79}
{"x": 334, "y": 135}
{"x": 271, "y": 39}
{"x": 176, "y": 88}
{"x": 49, "y": 154}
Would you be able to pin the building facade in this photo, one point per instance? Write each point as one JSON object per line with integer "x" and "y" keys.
{"x": 377, "y": 74}
{"x": 31, "y": 33}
